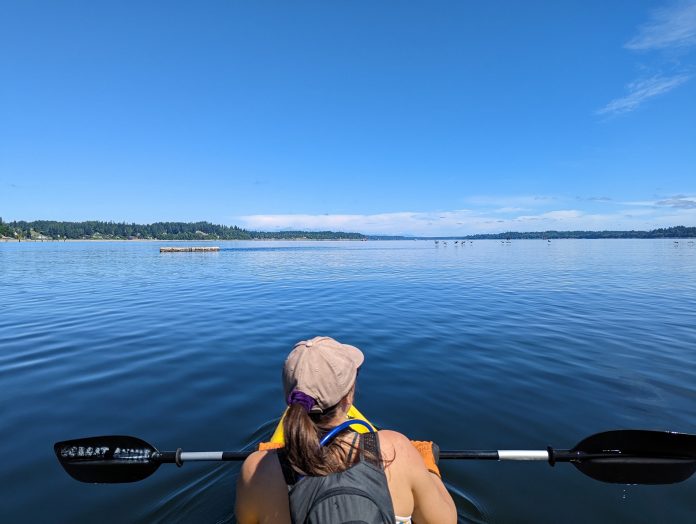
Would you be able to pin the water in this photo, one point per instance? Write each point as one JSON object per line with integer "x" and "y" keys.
{"x": 482, "y": 346}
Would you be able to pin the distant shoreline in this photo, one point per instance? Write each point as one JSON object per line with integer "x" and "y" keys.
{"x": 52, "y": 230}
{"x": 39, "y": 240}
{"x": 404, "y": 239}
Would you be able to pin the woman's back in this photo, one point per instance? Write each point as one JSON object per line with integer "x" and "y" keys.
{"x": 262, "y": 491}
{"x": 358, "y": 493}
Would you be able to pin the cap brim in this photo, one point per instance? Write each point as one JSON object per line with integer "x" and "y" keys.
{"x": 355, "y": 355}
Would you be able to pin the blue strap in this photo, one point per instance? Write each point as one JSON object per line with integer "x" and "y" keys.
{"x": 331, "y": 434}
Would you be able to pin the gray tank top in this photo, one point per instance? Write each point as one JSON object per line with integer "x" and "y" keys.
{"x": 357, "y": 495}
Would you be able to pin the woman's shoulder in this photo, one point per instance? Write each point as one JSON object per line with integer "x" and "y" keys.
{"x": 397, "y": 444}
{"x": 392, "y": 437}
{"x": 259, "y": 465}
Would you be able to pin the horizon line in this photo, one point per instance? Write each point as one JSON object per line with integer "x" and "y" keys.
{"x": 368, "y": 235}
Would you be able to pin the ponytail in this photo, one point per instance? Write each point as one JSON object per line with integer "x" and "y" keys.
{"x": 302, "y": 434}
{"x": 302, "y": 440}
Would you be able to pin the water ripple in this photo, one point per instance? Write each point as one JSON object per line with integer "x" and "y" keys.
{"x": 487, "y": 345}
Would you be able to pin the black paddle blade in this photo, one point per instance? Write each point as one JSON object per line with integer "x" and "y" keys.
{"x": 637, "y": 456}
{"x": 107, "y": 459}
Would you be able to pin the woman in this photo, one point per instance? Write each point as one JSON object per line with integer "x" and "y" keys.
{"x": 379, "y": 477}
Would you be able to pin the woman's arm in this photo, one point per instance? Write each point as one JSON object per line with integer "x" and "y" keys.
{"x": 262, "y": 495}
{"x": 432, "y": 502}
{"x": 245, "y": 507}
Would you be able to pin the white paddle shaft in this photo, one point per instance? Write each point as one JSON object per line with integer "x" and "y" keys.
{"x": 522, "y": 454}
{"x": 187, "y": 456}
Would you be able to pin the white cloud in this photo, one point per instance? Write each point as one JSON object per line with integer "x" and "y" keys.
{"x": 640, "y": 91}
{"x": 420, "y": 223}
{"x": 672, "y": 27}
{"x": 648, "y": 215}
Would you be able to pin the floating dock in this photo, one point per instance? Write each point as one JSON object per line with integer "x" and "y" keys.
{"x": 194, "y": 249}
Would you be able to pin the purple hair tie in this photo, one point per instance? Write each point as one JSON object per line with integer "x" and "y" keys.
{"x": 304, "y": 400}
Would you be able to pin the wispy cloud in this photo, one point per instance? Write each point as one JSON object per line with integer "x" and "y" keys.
{"x": 406, "y": 222}
{"x": 640, "y": 91}
{"x": 675, "y": 202}
{"x": 643, "y": 215}
{"x": 670, "y": 27}
{"x": 520, "y": 202}
{"x": 510, "y": 209}
{"x": 679, "y": 202}
{"x": 639, "y": 203}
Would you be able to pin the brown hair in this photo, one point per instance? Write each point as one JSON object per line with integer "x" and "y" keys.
{"x": 302, "y": 434}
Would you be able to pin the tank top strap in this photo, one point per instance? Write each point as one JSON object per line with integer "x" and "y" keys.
{"x": 349, "y": 460}
{"x": 290, "y": 475}
{"x": 369, "y": 449}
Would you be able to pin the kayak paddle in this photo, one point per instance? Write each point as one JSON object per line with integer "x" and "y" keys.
{"x": 623, "y": 456}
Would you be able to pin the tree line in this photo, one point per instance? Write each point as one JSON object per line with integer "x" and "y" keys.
{"x": 94, "y": 229}
{"x": 666, "y": 232}
{"x": 5, "y": 230}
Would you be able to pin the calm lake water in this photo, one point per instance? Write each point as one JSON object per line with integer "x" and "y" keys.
{"x": 482, "y": 346}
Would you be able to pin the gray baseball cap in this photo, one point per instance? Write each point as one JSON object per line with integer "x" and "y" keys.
{"x": 322, "y": 368}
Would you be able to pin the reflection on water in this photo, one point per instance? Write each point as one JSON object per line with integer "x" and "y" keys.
{"x": 481, "y": 346}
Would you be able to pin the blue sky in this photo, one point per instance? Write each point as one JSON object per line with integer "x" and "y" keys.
{"x": 380, "y": 117}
